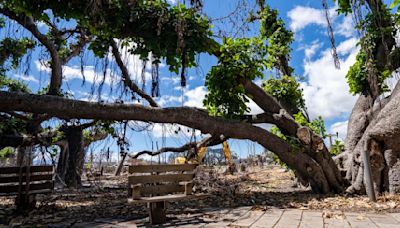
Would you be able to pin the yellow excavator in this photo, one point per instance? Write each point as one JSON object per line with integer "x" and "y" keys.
{"x": 180, "y": 160}
{"x": 201, "y": 153}
{"x": 227, "y": 152}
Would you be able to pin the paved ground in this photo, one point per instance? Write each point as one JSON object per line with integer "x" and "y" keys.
{"x": 257, "y": 218}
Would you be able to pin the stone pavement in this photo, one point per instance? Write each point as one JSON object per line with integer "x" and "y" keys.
{"x": 257, "y": 218}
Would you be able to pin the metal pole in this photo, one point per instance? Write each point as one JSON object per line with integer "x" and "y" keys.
{"x": 369, "y": 186}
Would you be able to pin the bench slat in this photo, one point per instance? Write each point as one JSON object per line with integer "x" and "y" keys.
{"x": 161, "y": 189}
{"x": 166, "y": 198}
{"x": 12, "y": 179}
{"x": 32, "y": 187}
{"x": 161, "y": 168}
{"x": 33, "y": 169}
{"x": 160, "y": 178}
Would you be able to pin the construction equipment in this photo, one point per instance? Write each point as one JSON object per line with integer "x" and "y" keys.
{"x": 227, "y": 152}
{"x": 201, "y": 153}
{"x": 180, "y": 160}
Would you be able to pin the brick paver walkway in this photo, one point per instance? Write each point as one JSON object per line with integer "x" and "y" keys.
{"x": 283, "y": 218}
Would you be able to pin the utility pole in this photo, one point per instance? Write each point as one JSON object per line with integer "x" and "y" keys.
{"x": 330, "y": 138}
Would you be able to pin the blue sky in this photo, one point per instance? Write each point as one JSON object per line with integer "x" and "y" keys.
{"x": 325, "y": 87}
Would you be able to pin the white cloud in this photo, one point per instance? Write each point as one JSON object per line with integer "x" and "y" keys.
{"x": 340, "y": 128}
{"x": 191, "y": 97}
{"x": 167, "y": 100}
{"x": 175, "y": 80}
{"x": 26, "y": 78}
{"x": 254, "y": 108}
{"x": 346, "y": 27}
{"x": 172, "y": 1}
{"x": 301, "y": 17}
{"x": 326, "y": 91}
{"x": 42, "y": 25}
{"x": 134, "y": 64}
{"x": 392, "y": 82}
{"x": 310, "y": 51}
{"x": 195, "y": 97}
{"x": 91, "y": 76}
{"x": 347, "y": 46}
{"x": 42, "y": 66}
{"x": 85, "y": 96}
{"x": 74, "y": 72}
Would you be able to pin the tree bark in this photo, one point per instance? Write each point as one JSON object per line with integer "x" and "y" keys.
{"x": 62, "y": 163}
{"x": 321, "y": 176}
{"x": 380, "y": 127}
{"x": 75, "y": 155}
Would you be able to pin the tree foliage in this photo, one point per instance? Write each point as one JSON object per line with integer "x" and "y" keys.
{"x": 11, "y": 51}
{"x": 287, "y": 90}
{"x": 242, "y": 57}
{"x": 374, "y": 33}
{"x": 175, "y": 34}
{"x": 249, "y": 58}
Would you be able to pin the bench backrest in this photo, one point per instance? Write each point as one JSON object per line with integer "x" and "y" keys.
{"x": 161, "y": 179}
{"x": 40, "y": 179}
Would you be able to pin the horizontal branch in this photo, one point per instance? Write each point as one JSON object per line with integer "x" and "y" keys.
{"x": 210, "y": 141}
{"x": 196, "y": 118}
{"x": 16, "y": 140}
{"x": 187, "y": 116}
{"x": 126, "y": 77}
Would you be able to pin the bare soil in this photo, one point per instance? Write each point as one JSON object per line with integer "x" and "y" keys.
{"x": 105, "y": 198}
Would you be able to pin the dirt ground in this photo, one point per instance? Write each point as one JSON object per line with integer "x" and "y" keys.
{"x": 261, "y": 187}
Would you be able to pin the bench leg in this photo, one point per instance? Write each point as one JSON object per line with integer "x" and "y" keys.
{"x": 25, "y": 202}
{"x": 157, "y": 212}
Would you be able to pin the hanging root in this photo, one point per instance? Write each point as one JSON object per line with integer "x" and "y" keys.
{"x": 331, "y": 36}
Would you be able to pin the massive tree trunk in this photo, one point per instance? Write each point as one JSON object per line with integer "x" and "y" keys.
{"x": 62, "y": 162}
{"x": 74, "y": 154}
{"x": 374, "y": 123}
{"x": 312, "y": 163}
{"x": 24, "y": 155}
{"x": 376, "y": 128}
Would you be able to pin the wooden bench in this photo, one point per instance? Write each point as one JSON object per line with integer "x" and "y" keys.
{"x": 158, "y": 184}
{"x": 26, "y": 182}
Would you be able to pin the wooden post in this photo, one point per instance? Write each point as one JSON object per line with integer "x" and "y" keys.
{"x": 157, "y": 212}
{"x": 136, "y": 191}
{"x": 188, "y": 188}
{"x": 369, "y": 186}
{"x": 121, "y": 164}
{"x": 25, "y": 202}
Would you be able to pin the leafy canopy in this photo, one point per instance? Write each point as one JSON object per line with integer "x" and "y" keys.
{"x": 243, "y": 57}
{"x": 375, "y": 31}
{"x": 173, "y": 32}
{"x": 287, "y": 90}
{"x": 249, "y": 58}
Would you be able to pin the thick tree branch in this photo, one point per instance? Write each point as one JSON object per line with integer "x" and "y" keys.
{"x": 260, "y": 97}
{"x": 193, "y": 117}
{"x": 126, "y": 77}
{"x": 210, "y": 141}
{"x": 43, "y": 138}
{"x": 56, "y": 63}
{"x": 315, "y": 147}
{"x": 77, "y": 48}
{"x": 87, "y": 125}
{"x": 18, "y": 116}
